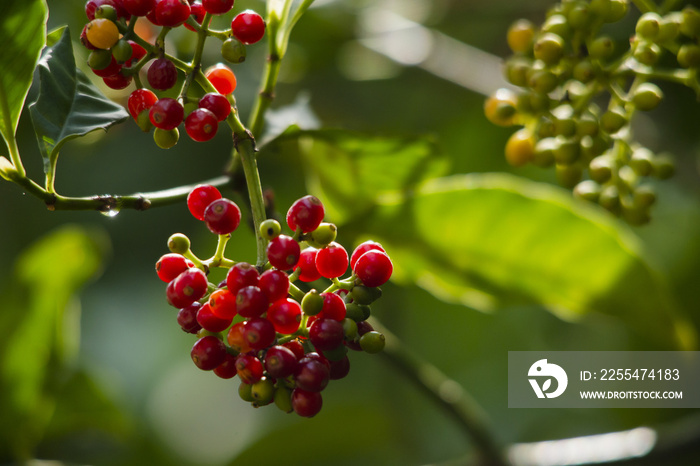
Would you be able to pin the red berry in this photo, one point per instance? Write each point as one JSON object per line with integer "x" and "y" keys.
{"x": 112, "y": 69}
{"x": 306, "y": 404}
{"x": 307, "y": 263}
{"x": 166, "y": 114}
{"x": 223, "y": 304}
{"x": 201, "y": 125}
{"x": 187, "y": 318}
{"x": 296, "y": 347}
{"x": 199, "y": 199}
{"x": 209, "y": 321}
{"x": 217, "y": 7}
{"x": 118, "y": 81}
{"x": 137, "y": 53}
{"x": 333, "y": 307}
{"x": 208, "y": 352}
{"x": 363, "y": 248}
{"x": 236, "y": 338}
{"x": 275, "y": 284}
{"x": 332, "y": 261}
{"x": 162, "y": 74}
{"x": 248, "y": 27}
{"x": 93, "y": 5}
{"x": 283, "y": 252}
{"x": 340, "y": 368}
{"x": 197, "y": 11}
{"x": 374, "y": 268}
{"x": 326, "y": 334}
{"x": 362, "y": 328}
{"x": 227, "y": 369}
{"x": 259, "y": 332}
{"x": 139, "y": 7}
{"x": 188, "y": 287}
{"x": 312, "y": 375}
{"x": 170, "y": 266}
{"x": 222, "y": 78}
{"x": 285, "y": 315}
{"x": 280, "y": 362}
{"x": 239, "y": 276}
{"x": 140, "y": 100}
{"x": 172, "y": 13}
{"x": 251, "y": 301}
{"x": 249, "y": 368}
{"x": 222, "y": 216}
{"x": 306, "y": 213}
{"x": 217, "y": 104}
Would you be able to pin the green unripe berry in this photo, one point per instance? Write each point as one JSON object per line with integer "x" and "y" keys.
{"x": 600, "y": 8}
{"x": 349, "y": 329}
{"x": 689, "y": 56}
{"x": 648, "y": 26}
{"x": 516, "y": 70}
{"x": 601, "y": 168}
{"x": 283, "y": 399}
{"x": 337, "y": 353}
{"x": 568, "y": 175}
{"x": 593, "y": 146}
{"x": 144, "y": 121}
{"x": 644, "y": 196}
{"x": 557, "y": 24}
{"x": 601, "y": 48}
{"x": 122, "y": 51}
{"x": 544, "y": 152}
{"x": 190, "y": 106}
{"x": 312, "y": 303}
{"x": 568, "y": 151}
{"x": 618, "y": 10}
{"x": 613, "y": 120}
{"x": 636, "y": 215}
{"x": 372, "y": 342}
{"x": 663, "y": 166}
{"x": 179, "y": 243}
{"x": 233, "y": 51}
{"x": 580, "y": 16}
{"x": 588, "y": 190}
{"x": 245, "y": 392}
{"x": 647, "y": 53}
{"x": 326, "y": 233}
{"x": 539, "y": 102}
{"x": 585, "y": 71}
{"x": 165, "y": 139}
{"x": 647, "y": 96}
{"x": 365, "y": 295}
{"x": 99, "y": 59}
{"x": 542, "y": 81}
{"x": 545, "y": 128}
{"x": 564, "y": 124}
{"x": 106, "y": 12}
{"x": 641, "y": 161}
{"x": 549, "y": 48}
{"x": 357, "y": 312}
{"x": 270, "y": 229}
{"x": 587, "y": 125}
{"x": 520, "y": 36}
{"x": 262, "y": 391}
{"x": 690, "y": 22}
{"x": 670, "y": 28}
{"x": 610, "y": 199}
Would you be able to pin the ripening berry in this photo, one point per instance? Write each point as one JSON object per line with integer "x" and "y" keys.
{"x": 223, "y": 303}
{"x": 520, "y": 148}
{"x": 222, "y": 78}
{"x": 500, "y": 109}
{"x": 248, "y": 27}
{"x": 520, "y": 35}
{"x": 549, "y": 48}
{"x": 162, "y": 74}
{"x": 102, "y": 33}
{"x": 249, "y": 368}
{"x": 140, "y": 100}
{"x": 236, "y": 338}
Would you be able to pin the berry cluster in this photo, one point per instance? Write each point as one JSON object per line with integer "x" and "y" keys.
{"x": 285, "y": 344}
{"x": 565, "y": 68}
{"x": 118, "y": 54}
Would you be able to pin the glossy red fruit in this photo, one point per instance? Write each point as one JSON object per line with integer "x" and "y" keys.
{"x": 217, "y": 104}
{"x": 259, "y": 332}
{"x": 333, "y": 307}
{"x": 169, "y": 266}
{"x": 188, "y": 287}
{"x": 172, "y": 13}
{"x": 306, "y": 404}
{"x": 249, "y": 368}
{"x": 217, "y": 7}
{"x": 162, "y": 74}
{"x": 208, "y": 352}
{"x": 201, "y": 125}
{"x": 239, "y": 276}
{"x": 306, "y": 213}
{"x": 199, "y": 199}
{"x": 166, "y": 114}
{"x": 140, "y": 100}
{"x": 275, "y": 284}
{"x": 236, "y": 338}
{"x": 374, "y": 268}
{"x": 296, "y": 347}
{"x": 332, "y": 261}
{"x": 248, "y": 27}
{"x": 137, "y": 53}
{"x": 251, "y": 301}
{"x": 118, "y": 81}
{"x": 340, "y": 368}
{"x": 187, "y": 318}
{"x": 326, "y": 334}
{"x": 283, "y": 252}
{"x": 312, "y": 375}
{"x": 363, "y": 248}
{"x": 223, "y": 304}
{"x": 227, "y": 369}
{"x": 197, "y": 12}
{"x": 307, "y": 264}
{"x": 222, "y": 78}
{"x": 280, "y": 362}
{"x": 139, "y": 7}
{"x": 222, "y": 216}
{"x": 209, "y": 321}
{"x": 285, "y": 315}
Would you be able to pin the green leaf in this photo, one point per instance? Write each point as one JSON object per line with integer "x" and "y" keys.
{"x": 69, "y": 105}
{"x": 22, "y": 26}
{"x": 492, "y": 240}
{"x": 40, "y": 329}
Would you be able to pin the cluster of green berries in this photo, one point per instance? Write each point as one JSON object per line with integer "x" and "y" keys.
{"x": 580, "y": 90}
{"x": 284, "y": 341}
{"x": 118, "y": 54}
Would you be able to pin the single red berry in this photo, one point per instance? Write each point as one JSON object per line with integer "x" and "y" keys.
{"x": 187, "y": 318}
{"x": 307, "y": 264}
{"x": 275, "y": 284}
{"x": 249, "y": 368}
{"x": 139, "y": 7}
{"x": 283, "y": 252}
{"x": 236, "y": 338}
{"x": 199, "y": 199}
{"x": 112, "y": 69}
{"x": 201, "y": 125}
{"x": 363, "y": 248}
{"x": 140, "y": 100}
{"x": 332, "y": 261}
{"x": 248, "y": 27}
{"x": 306, "y": 404}
{"x": 239, "y": 276}
{"x": 222, "y": 78}
{"x": 172, "y": 13}
{"x": 318, "y": 357}
{"x": 251, "y": 301}
{"x": 285, "y": 315}
{"x": 197, "y": 11}
{"x": 374, "y": 268}
{"x": 227, "y": 369}
{"x": 137, "y": 53}
{"x": 188, "y": 287}
{"x": 326, "y": 334}
{"x": 151, "y": 16}
{"x": 217, "y": 104}
{"x": 312, "y": 375}
{"x": 166, "y": 114}
{"x": 118, "y": 81}
{"x": 162, "y": 74}
{"x": 208, "y": 352}
{"x": 280, "y": 362}
{"x": 209, "y": 321}
{"x": 306, "y": 213}
{"x": 259, "y": 332}
{"x": 217, "y": 7}
{"x": 296, "y": 347}
{"x": 169, "y": 266}
{"x": 222, "y": 216}
{"x": 340, "y": 368}
{"x": 333, "y": 307}
{"x": 223, "y": 304}
{"x": 93, "y": 5}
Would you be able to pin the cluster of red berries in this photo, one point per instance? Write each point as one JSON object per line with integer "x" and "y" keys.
{"x": 284, "y": 343}
{"x": 118, "y": 54}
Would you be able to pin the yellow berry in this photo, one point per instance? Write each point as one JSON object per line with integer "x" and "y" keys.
{"x": 520, "y": 36}
{"x": 520, "y": 148}
{"x": 499, "y": 108}
{"x": 102, "y": 33}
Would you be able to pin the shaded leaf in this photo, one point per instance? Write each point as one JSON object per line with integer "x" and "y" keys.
{"x": 22, "y": 26}
{"x": 69, "y": 105}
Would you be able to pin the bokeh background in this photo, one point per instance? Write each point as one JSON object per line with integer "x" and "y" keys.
{"x": 129, "y": 393}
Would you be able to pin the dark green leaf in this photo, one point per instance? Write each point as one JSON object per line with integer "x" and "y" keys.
{"x": 69, "y": 105}
{"x": 22, "y": 35}
{"x": 490, "y": 240}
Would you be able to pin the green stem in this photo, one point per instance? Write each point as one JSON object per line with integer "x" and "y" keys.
{"x": 446, "y": 393}
{"x": 645, "y": 6}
